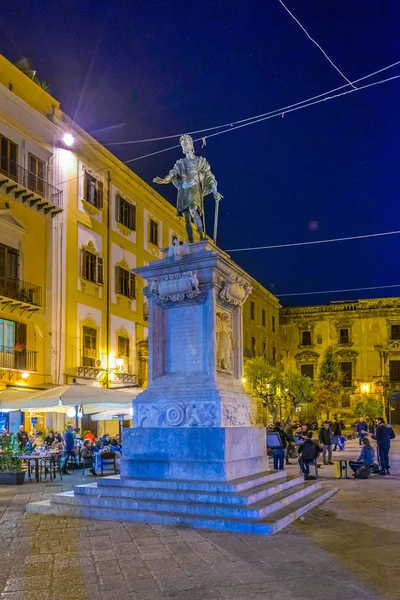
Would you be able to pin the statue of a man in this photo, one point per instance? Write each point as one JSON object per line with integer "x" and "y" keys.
{"x": 193, "y": 178}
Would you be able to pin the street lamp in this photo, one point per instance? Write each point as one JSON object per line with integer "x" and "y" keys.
{"x": 68, "y": 139}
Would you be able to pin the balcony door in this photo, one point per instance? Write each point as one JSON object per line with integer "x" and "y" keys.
{"x": 8, "y": 157}
{"x": 89, "y": 347}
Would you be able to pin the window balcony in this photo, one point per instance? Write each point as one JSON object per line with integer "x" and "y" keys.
{"x": 17, "y": 360}
{"x": 18, "y": 182}
{"x": 21, "y": 295}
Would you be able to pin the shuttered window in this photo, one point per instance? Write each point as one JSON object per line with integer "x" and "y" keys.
{"x": 307, "y": 371}
{"x": 344, "y": 337}
{"x": 92, "y": 267}
{"x": 394, "y": 371}
{"x": 347, "y": 373}
{"x": 122, "y": 347}
{"x": 9, "y": 258}
{"x": 125, "y": 282}
{"x": 153, "y": 232}
{"x": 93, "y": 190}
{"x": 306, "y": 338}
{"x": 395, "y": 331}
{"x": 89, "y": 350}
{"x": 126, "y": 213}
{"x": 8, "y": 157}
{"x": 36, "y": 175}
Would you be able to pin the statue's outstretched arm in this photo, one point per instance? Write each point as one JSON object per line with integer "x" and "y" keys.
{"x": 162, "y": 180}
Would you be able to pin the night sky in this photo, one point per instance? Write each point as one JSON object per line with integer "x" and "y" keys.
{"x": 139, "y": 69}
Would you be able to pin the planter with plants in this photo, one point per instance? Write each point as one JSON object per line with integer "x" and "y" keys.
{"x": 11, "y": 472}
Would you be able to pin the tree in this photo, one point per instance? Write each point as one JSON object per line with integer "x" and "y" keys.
{"x": 329, "y": 389}
{"x": 299, "y": 391}
{"x": 264, "y": 382}
{"x": 280, "y": 392}
{"x": 369, "y": 408}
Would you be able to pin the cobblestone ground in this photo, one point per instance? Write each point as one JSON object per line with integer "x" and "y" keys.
{"x": 348, "y": 549}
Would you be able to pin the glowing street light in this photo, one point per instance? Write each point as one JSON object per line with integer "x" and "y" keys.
{"x": 68, "y": 139}
{"x": 24, "y": 375}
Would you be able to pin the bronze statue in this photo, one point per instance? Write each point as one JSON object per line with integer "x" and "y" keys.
{"x": 193, "y": 178}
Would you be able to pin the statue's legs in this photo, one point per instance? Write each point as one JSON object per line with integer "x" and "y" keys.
{"x": 189, "y": 229}
{"x": 197, "y": 221}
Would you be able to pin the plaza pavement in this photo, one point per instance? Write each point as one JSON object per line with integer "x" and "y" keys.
{"x": 347, "y": 549}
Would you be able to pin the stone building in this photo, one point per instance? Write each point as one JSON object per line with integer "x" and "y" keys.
{"x": 366, "y": 337}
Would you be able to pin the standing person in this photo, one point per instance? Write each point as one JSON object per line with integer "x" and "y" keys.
{"x": 383, "y": 435}
{"x": 279, "y": 453}
{"x": 326, "y": 442}
{"x": 22, "y": 437}
{"x": 289, "y": 432}
{"x": 69, "y": 447}
{"x": 361, "y": 429}
{"x": 308, "y": 452}
{"x": 336, "y": 432}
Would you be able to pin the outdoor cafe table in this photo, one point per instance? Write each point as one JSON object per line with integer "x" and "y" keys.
{"x": 36, "y": 458}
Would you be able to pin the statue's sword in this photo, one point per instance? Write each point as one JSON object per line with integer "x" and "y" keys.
{"x": 216, "y": 221}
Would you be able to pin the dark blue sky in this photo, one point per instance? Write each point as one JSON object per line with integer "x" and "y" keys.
{"x": 162, "y": 67}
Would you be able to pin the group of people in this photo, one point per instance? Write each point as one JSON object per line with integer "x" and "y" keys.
{"x": 330, "y": 439}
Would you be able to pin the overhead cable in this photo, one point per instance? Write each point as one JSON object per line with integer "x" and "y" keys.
{"x": 281, "y": 113}
{"x": 231, "y": 124}
{"x": 316, "y": 43}
{"x": 361, "y": 289}
{"x": 328, "y": 241}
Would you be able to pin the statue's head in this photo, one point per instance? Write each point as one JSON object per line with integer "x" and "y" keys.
{"x": 186, "y": 142}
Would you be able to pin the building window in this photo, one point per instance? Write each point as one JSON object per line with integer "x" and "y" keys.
{"x": 263, "y": 317}
{"x": 252, "y": 310}
{"x": 394, "y": 371}
{"x": 307, "y": 371}
{"x": 93, "y": 190}
{"x": 36, "y": 175}
{"x": 344, "y": 337}
{"x": 306, "y": 338}
{"x": 346, "y": 401}
{"x": 125, "y": 282}
{"x": 126, "y": 213}
{"x": 273, "y": 324}
{"x": 89, "y": 351}
{"x": 9, "y": 258}
{"x": 153, "y": 232}
{"x": 347, "y": 373}
{"x": 395, "y": 332}
{"x": 123, "y": 347}
{"x": 8, "y": 157}
{"x": 7, "y": 337}
{"x": 274, "y": 353}
{"x": 92, "y": 267}
{"x": 253, "y": 346}
{"x": 264, "y": 349}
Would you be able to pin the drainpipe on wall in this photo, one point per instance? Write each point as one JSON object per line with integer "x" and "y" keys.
{"x": 108, "y": 279}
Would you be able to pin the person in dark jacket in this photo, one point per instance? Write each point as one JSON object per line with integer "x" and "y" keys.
{"x": 383, "y": 435}
{"x": 361, "y": 429}
{"x": 69, "y": 447}
{"x": 325, "y": 440}
{"x": 308, "y": 453}
{"x": 289, "y": 432}
{"x": 22, "y": 437}
{"x": 336, "y": 432}
{"x": 367, "y": 456}
{"x": 50, "y": 439}
{"x": 279, "y": 453}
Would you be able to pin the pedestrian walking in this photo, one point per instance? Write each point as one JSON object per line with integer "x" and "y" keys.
{"x": 278, "y": 454}
{"x": 383, "y": 436}
{"x": 325, "y": 440}
{"x": 290, "y": 445}
{"x": 361, "y": 429}
{"x": 336, "y": 432}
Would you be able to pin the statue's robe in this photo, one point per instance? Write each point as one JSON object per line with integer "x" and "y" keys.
{"x": 193, "y": 179}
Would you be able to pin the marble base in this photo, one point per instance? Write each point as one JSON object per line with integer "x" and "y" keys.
{"x": 210, "y": 454}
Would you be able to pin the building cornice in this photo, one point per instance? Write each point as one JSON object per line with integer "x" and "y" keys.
{"x": 358, "y": 309}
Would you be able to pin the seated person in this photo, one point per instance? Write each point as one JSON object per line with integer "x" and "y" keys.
{"x": 50, "y": 439}
{"x": 367, "y": 456}
{"x": 308, "y": 453}
{"x": 30, "y": 446}
{"x": 114, "y": 446}
{"x": 87, "y": 455}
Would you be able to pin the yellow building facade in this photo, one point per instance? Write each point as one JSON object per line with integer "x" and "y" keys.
{"x": 366, "y": 337}
{"x": 74, "y": 221}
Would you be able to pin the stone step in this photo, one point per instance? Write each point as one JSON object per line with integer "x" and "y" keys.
{"x": 235, "y": 485}
{"x": 247, "y": 497}
{"x": 266, "y": 526}
{"x": 257, "y": 510}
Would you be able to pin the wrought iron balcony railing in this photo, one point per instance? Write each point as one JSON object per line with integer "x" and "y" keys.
{"x": 29, "y": 187}
{"x": 21, "y": 360}
{"x": 21, "y": 291}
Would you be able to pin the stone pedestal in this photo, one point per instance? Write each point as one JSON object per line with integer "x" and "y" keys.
{"x": 194, "y": 420}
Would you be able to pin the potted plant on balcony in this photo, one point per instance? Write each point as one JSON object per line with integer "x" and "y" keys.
{"x": 11, "y": 472}
{"x": 19, "y": 347}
